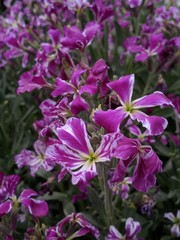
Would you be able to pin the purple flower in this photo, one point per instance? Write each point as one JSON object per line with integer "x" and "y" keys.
{"x": 121, "y": 188}
{"x": 35, "y": 160}
{"x": 77, "y": 5}
{"x": 38, "y": 208}
{"x": 148, "y": 163}
{"x": 101, "y": 11}
{"x": 78, "y": 224}
{"x": 75, "y": 39}
{"x": 28, "y": 82}
{"x": 75, "y": 89}
{"x": 112, "y": 119}
{"x": 76, "y": 153}
{"x": 8, "y": 185}
{"x": 154, "y": 46}
{"x": 175, "y": 230}
{"x": 134, "y": 3}
{"x": 51, "y": 109}
{"x": 132, "y": 229}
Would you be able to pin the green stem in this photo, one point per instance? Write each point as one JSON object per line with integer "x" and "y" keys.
{"x": 103, "y": 175}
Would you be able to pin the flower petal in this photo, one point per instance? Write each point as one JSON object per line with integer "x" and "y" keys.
{"x": 132, "y": 228}
{"x": 78, "y": 105}
{"x": 74, "y": 135}
{"x": 152, "y": 100}
{"x": 62, "y": 88}
{"x": 148, "y": 165}
{"x": 27, "y": 193}
{"x": 110, "y": 119}
{"x": 123, "y": 87}
{"x": 155, "y": 125}
{"x": 38, "y": 208}
{"x": 114, "y": 234}
{"x": 5, "y": 207}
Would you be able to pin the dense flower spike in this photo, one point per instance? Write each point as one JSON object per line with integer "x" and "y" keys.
{"x": 112, "y": 119}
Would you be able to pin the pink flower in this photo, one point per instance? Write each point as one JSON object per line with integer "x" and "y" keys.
{"x": 35, "y": 160}
{"x": 134, "y": 3}
{"x": 112, "y": 119}
{"x": 132, "y": 229}
{"x": 79, "y": 227}
{"x": 148, "y": 163}
{"x": 8, "y": 185}
{"x": 75, "y": 39}
{"x": 38, "y": 208}
{"x": 76, "y": 153}
{"x": 175, "y": 230}
{"x": 28, "y": 82}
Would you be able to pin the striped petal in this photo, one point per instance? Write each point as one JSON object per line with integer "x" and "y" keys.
{"x": 152, "y": 100}
{"x": 123, "y": 87}
{"x": 155, "y": 125}
{"x": 74, "y": 135}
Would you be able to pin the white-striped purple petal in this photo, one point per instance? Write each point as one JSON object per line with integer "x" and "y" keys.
{"x": 148, "y": 165}
{"x": 27, "y": 193}
{"x": 132, "y": 229}
{"x": 124, "y": 88}
{"x": 152, "y": 100}
{"x": 74, "y": 135}
{"x": 38, "y": 208}
{"x": 114, "y": 234}
{"x": 5, "y": 207}
{"x": 155, "y": 125}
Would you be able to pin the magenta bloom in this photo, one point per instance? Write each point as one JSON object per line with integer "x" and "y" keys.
{"x": 35, "y": 160}
{"x": 28, "y": 82}
{"x": 74, "y": 88}
{"x": 8, "y": 185}
{"x": 79, "y": 227}
{"x": 132, "y": 229}
{"x": 134, "y": 3}
{"x": 148, "y": 163}
{"x": 153, "y": 47}
{"x": 75, "y": 39}
{"x": 38, "y": 208}
{"x": 112, "y": 119}
{"x": 175, "y": 230}
{"x": 76, "y": 153}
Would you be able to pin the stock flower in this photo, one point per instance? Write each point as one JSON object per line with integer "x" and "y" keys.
{"x": 175, "y": 230}
{"x": 134, "y": 3}
{"x": 8, "y": 185}
{"x": 78, "y": 224}
{"x": 28, "y": 82}
{"x": 38, "y": 208}
{"x": 76, "y": 153}
{"x": 148, "y": 163}
{"x": 132, "y": 229}
{"x": 121, "y": 188}
{"x": 35, "y": 160}
{"x": 74, "y": 88}
{"x": 112, "y": 119}
{"x": 75, "y": 39}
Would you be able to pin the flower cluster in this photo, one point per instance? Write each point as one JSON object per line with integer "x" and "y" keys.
{"x": 92, "y": 132}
